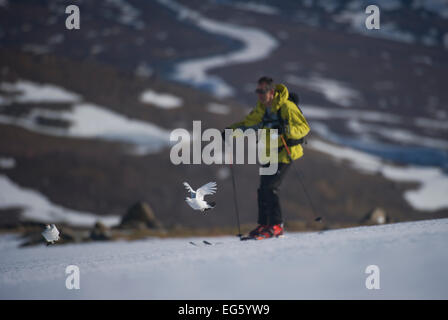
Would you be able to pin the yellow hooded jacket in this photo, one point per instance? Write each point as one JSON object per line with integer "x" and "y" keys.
{"x": 296, "y": 126}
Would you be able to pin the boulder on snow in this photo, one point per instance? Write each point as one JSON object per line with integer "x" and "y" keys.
{"x": 100, "y": 232}
{"x": 376, "y": 216}
{"x": 140, "y": 216}
{"x": 69, "y": 234}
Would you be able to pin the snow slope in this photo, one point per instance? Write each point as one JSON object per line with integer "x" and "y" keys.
{"x": 412, "y": 259}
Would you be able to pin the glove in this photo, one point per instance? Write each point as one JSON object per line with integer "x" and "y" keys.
{"x": 281, "y": 130}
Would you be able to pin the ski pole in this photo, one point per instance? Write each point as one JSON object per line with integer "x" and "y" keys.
{"x": 236, "y": 202}
{"x": 318, "y": 219}
{"x": 234, "y": 196}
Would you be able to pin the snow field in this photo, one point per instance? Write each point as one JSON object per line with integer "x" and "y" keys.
{"x": 411, "y": 257}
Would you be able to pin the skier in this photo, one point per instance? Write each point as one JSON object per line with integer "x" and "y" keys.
{"x": 275, "y": 109}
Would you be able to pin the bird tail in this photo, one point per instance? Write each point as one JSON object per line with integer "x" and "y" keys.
{"x": 212, "y": 204}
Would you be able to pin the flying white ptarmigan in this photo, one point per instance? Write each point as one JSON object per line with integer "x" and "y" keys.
{"x": 51, "y": 234}
{"x": 196, "y": 199}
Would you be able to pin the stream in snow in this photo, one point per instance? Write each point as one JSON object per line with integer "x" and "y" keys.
{"x": 256, "y": 45}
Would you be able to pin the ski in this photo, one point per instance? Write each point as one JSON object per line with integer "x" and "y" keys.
{"x": 205, "y": 242}
{"x": 245, "y": 238}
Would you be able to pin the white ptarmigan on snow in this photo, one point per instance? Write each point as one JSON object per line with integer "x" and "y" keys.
{"x": 51, "y": 234}
{"x": 196, "y": 199}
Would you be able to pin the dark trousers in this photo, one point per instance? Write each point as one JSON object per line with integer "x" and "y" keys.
{"x": 269, "y": 211}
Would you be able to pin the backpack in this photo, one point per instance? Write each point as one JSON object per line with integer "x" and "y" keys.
{"x": 294, "y": 98}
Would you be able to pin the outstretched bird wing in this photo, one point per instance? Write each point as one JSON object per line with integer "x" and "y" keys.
{"x": 187, "y": 186}
{"x": 209, "y": 188}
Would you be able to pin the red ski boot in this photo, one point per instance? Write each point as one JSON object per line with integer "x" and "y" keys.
{"x": 255, "y": 233}
{"x": 271, "y": 231}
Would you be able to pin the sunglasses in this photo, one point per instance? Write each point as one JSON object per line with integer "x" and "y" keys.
{"x": 262, "y": 91}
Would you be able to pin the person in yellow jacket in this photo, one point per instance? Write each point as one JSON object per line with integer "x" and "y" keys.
{"x": 274, "y": 111}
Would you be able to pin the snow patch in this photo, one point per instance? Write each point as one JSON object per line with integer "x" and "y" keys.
{"x": 439, "y": 7}
{"x": 29, "y": 92}
{"x": 356, "y": 18}
{"x": 431, "y": 123}
{"x": 37, "y": 207}
{"x": 161, "y": 100}
{"x": 92, "y": 121}
{"x": 433, "y": 190}
{"x": 433, "y": 183}
{"x": 406, "y": 137}
{"x": 257, "y": 8}
{"x": 334, "y": 91}
{"x": 316, "y": 112}
{"x": 218, "y": 108}
{"x": 129, "y": 15}
{"x": 85, "y": 120}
